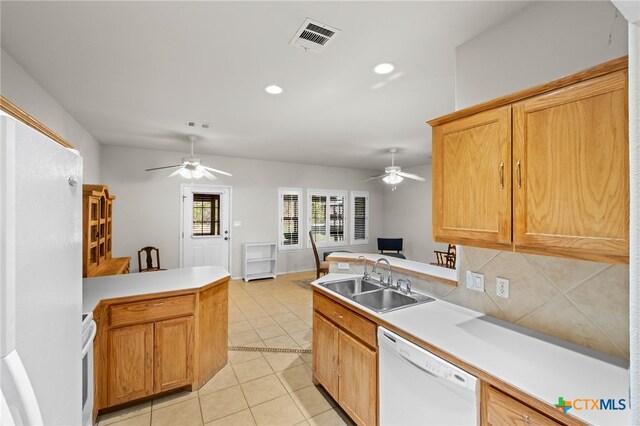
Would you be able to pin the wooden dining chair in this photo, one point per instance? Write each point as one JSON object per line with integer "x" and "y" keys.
{"x": 447, "y": 258}
{"x": 149, "y": 259}
{"x": 321, "y": 267}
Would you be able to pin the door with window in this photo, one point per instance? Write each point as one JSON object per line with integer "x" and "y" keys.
{"x": 205, "y": 227}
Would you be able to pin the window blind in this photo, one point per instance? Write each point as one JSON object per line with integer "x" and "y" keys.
{"x": 206, "y": 214}
{"x": 359, "y": 218}
{"x": 290, "y": 219}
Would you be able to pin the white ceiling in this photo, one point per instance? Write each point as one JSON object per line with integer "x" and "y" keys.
{"x": 133, "y": 73}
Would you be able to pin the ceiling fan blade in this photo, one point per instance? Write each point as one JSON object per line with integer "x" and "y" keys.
{"x": 175, "y": 173}
{"x": 375, "y": 177}
{"x": 164, "y": 167}
{"x": 216, "y": 170}
{"x": 411, "y": 176}
{"x": 207, "y": 174}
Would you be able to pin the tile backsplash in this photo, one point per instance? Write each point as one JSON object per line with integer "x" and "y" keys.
{"x": 580, "y": 301}
{"x": 584, "y": 302}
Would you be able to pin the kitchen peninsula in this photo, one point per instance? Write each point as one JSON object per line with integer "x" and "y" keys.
{"x": 156, "y": 331}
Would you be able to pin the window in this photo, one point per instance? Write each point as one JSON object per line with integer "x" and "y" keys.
{"x": 206, "y": 215}
{"x": 360, "y": 215}
{"x": 327, "y": 217}
{"x": 290, "y": 221}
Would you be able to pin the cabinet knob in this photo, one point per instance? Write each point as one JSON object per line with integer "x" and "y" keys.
{"x": 72, "y": 181}
{"x": 526, "y": 418}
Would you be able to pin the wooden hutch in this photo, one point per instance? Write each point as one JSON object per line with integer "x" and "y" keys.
{"x": 97, "y": 234}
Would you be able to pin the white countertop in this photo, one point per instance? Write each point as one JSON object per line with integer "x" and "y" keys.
{"x": 100, "y": 288}
{"x": 540, "y": 365}
{"x": 423, "y": 268}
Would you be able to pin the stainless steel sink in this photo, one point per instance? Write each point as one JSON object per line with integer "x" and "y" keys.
{"x": 388, "y": 300}
{"x": 374, "y": 296}
{"x": 350, "y": 287}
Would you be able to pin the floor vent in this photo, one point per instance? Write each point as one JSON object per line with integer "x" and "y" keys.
{"x": 313, "y": 36}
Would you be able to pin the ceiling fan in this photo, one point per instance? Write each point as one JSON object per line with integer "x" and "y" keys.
{"x": 393, "y": 174}
{"x": 191, "y": 168}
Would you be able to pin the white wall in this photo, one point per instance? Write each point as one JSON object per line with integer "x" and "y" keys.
{"x": 147, "y": 205}
{"x": 545, "y": 41}
{"x": 18, "y": 87}
{"x": 407, "y": 215}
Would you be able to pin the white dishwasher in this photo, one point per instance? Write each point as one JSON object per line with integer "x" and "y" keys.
{"x": 419, "y": 388}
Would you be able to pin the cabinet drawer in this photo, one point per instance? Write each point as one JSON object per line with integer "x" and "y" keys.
{"x": 357, "y": 325}
{"x": 503, "y": 410}
{"x": 151, "y": 310}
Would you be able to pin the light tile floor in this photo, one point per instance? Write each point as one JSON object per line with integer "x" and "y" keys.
{"x": 255, "y": 388}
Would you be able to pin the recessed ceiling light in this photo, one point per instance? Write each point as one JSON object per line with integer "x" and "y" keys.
{"x": 383, "y": 68}
{"x": 273, "y": 89}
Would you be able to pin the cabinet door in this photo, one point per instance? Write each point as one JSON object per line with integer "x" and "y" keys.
{"x": 571, "y": 171}
{"x": 130, "y": 366}
{"x": 471, "y": 180}
{"x": 504, "y": 410}
{"x": 357, "y": 392}
{"x": 173, "y": 353}
{"x": 325, "y": 354}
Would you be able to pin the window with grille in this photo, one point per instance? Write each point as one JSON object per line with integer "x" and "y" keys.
{"x": 327, "y": 217}
{"x": 290, "y": 221}
{"x": 360, "y": 217}
{"x": 206, "y": 215}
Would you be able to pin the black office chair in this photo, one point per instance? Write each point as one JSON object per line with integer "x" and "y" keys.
{"x": 391, "y": 247}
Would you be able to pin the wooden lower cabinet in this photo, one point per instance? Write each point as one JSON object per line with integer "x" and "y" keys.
{"x": 173, "y": 355}
{"x": 357, "y": 383}
{"x": 130, "y": 363}
{"x": 149, "y": 358}
{"x": 345, "y": 365}
{"x": 148, "y": 345}
{"x": 500, "y": 409}
{"x": 325, "y": 361}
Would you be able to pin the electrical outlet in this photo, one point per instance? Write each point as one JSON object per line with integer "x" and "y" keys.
{"x": 343, "y": 265}
{"x": 475, "y": 281}
{"x": 502, "y": 287}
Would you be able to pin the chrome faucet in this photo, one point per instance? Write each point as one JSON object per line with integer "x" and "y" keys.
{"x": 389, "y": 283}
{"x": 407, "y": 281}
{"x": 365, "y": 275}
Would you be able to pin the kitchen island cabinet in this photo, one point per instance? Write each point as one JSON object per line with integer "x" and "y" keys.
{"x": 157, "y": 331}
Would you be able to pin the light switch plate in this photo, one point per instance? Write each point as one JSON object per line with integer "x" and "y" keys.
{"x": 475, "y": 281}
{"x": 502, "y": 287}
{"x": 343, "y": 265}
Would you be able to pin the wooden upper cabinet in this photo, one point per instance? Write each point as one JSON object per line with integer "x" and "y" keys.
{"x": 571, "y": 170}
{"x": 471, "y": 179}
{"x": 544, "y": 170}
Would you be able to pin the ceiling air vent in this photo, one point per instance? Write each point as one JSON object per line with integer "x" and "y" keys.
{"x": 196, "y": 124}
{"x": 313, "y": 36}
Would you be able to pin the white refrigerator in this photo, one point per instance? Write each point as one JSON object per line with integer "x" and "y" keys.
{"x": 41, "y": 278}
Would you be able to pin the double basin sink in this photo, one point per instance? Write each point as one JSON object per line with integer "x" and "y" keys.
{"x": 375, "y": 296}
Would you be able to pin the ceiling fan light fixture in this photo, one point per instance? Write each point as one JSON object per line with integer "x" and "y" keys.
{"x": 392, "y": 179}
{"x": 197, "y": 173}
